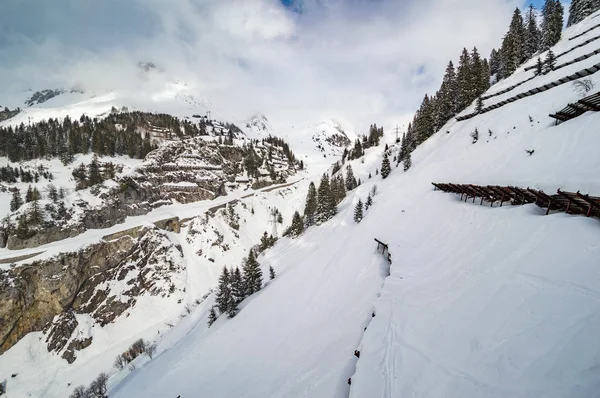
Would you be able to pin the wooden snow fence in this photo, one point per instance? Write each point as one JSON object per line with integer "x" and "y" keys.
{"x": 581, "y": 58}
{"x": 584, "y": 32}
{"x": 573, "y": 110}
{"x": 567, "y": 202}
{"x": 384, "y": 249}
{"x": 575, "y": 76}
{"x": 573, "y": 61}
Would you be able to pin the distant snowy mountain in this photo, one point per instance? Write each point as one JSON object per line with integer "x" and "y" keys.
{"x": 258, "y": 126}
{"x": 330, "y": 137}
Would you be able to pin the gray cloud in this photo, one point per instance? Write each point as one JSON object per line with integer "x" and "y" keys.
{"x": 360, "y": 60}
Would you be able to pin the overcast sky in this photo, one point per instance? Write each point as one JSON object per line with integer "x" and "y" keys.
{"x": 360, "y": 60}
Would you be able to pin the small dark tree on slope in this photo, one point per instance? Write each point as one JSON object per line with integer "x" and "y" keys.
{"x": 297, "y": 225}
{"x": 212, "y": 316}
{"x": 358, "y": 211}
{"x": 252, "y": 274}
{"x": 350, "y": 179}
{"x": 238, "y": 288}
{"x": 310, "y": 208}
{"x": 98, "y": 387}
{"x": 549, "y": 62}
{"x": 79, "y": 392}
{"x": 403, "y": 149}
{"x": 223, "y": 291}
{"x": 479, "y": 105}
{"x": 385, "y": 166}
{"x": 369, "y": 202}
{"x": 407, "y": 162}
{"x": 539, "y": 67}
{"x": 326, "y": 206}
{"x": 475, "y": 136}
{"x": 271, "y": 273}
{"x": 16, "y": 201}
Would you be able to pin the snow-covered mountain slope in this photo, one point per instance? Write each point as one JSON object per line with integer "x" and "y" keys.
{"x": 158, "y": 294}
{"x": 480, "y": 302}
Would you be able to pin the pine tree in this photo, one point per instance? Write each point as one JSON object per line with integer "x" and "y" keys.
{"x": 425, "y": 126}
{"x": 495, "y": 64}
{"x": 271, "y": 273}
{"x": 61, "y": 210}
{"x": 446, "y": 96}
{"x": 476, "y": 87}
{"x": 52, "y": 193}
{"x": 463, "y": 75}
{"x": 16, "y": 201}
{"x": 297, "y": 226}
{"x": 549, "y": 62}
{"x": 310, "y": 209}
{"x": 326, "y": 207}
{"x": 385, "y": 166}
{"x": 403, "y": 148}
{"x": 552, "y": 23}
{"x": 224, "y": 292}
{"x": 238, "y": 288}
{"x": 212, "y": 316}
{"x": 407, "y": 162}
{"x": 232, "y": 307}
{"x": 252, "y": 274}
{"x": 369, "y": 202}
{"x": 36, "y": 214}
{"x": 513, "y": 45}
{"x": 358, "y": 211}
{"x": 350, "y": 179}
{"x": 29, "y": 194}
{"x": 539, "y": 67}
{"x": 479, "y": 105}
{"x": 581, "y": 9}
{"x": 533, "y": 35}
{"x": 36, "y": 195}
{"x": 338, "y": 190}
{"x": 94, "y": 172}
{"x": 475, "y": 135}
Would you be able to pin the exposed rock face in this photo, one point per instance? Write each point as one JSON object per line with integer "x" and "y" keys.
{"x": 42, "y": 96}
{"x": 183, "y": 171}
{"x": 102, "y": 281}
{"x": 48, "y": 235}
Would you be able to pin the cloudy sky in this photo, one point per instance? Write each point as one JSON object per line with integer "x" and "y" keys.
{"x": 362, "y": 61}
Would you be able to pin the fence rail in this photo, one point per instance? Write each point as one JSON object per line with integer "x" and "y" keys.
{"x": 575, "y": 76}
{"x": 567, "y": 202}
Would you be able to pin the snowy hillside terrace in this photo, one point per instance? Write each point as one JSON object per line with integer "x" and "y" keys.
{"x": 98, "y": 192}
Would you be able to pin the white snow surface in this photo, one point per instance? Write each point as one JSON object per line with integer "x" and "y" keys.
{"x": 479, "y": 301}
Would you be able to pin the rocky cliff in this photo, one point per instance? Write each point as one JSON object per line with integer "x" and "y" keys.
{"x": 101, "y": 282}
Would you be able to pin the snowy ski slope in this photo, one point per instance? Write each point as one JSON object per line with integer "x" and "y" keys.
{"x": 481, "y": 302}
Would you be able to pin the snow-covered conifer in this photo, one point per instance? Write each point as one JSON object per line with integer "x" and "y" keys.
{"x": 252, "y": 274}
{"x": 358, "y": 211}
{"x": 310, "y": 208}
{"x": 385, "y": 166}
